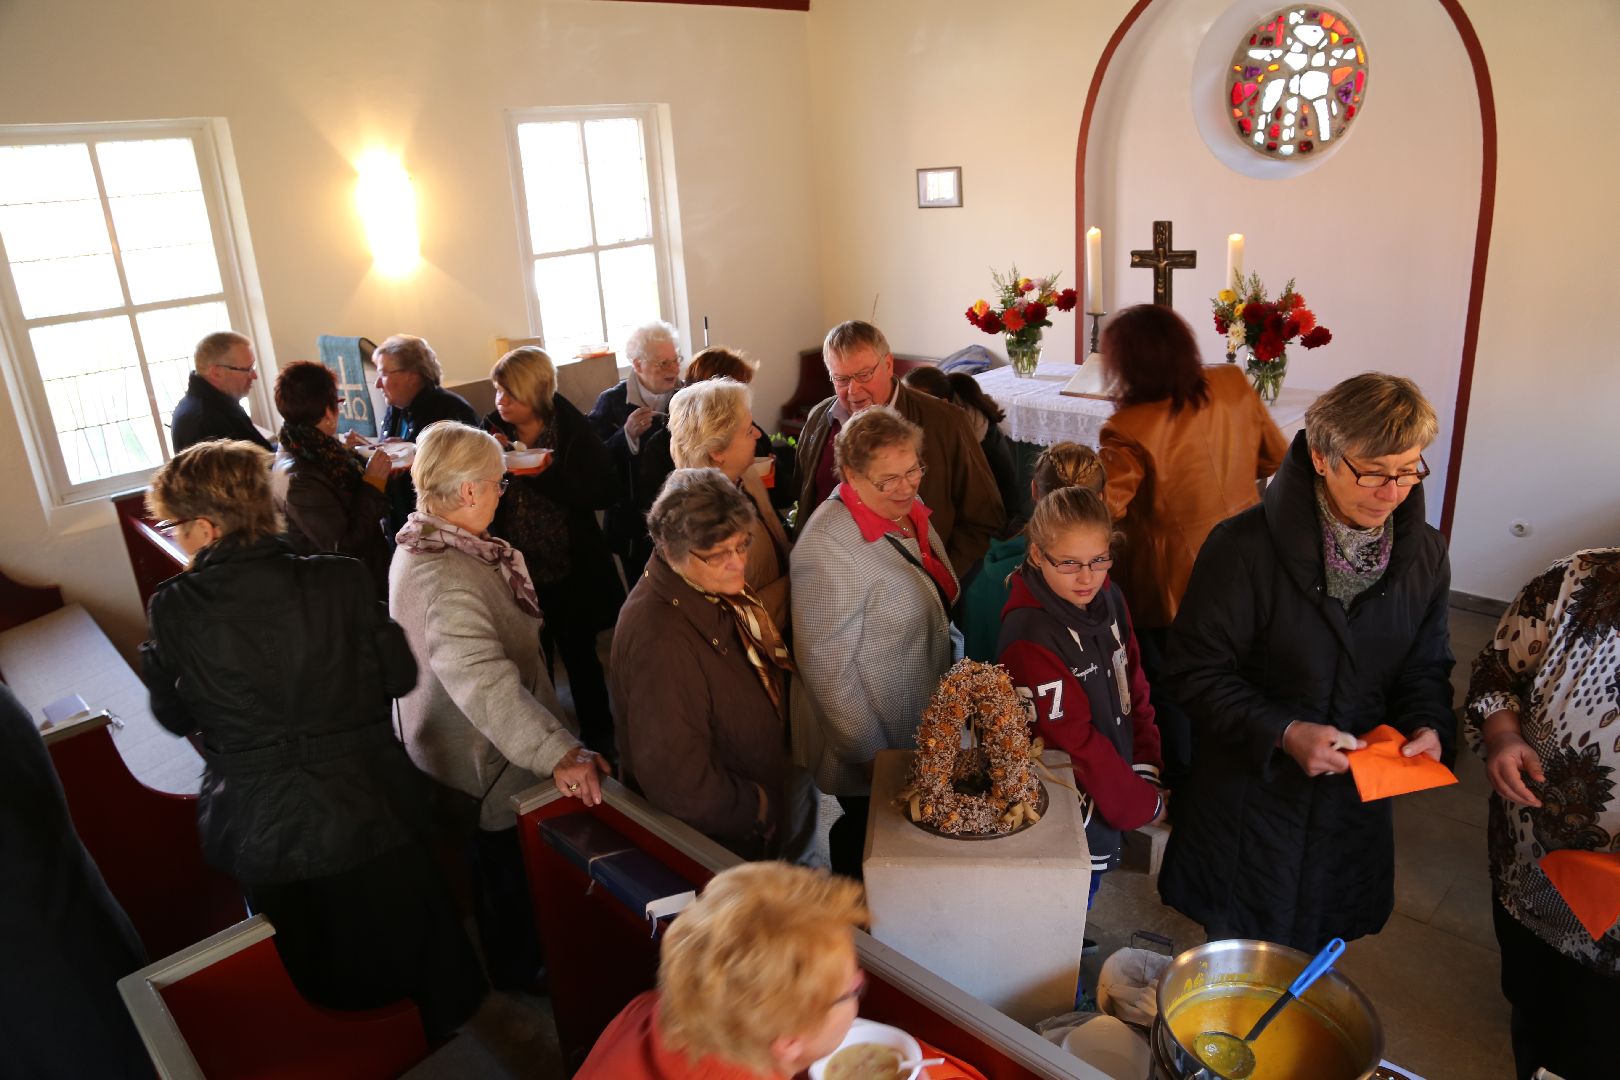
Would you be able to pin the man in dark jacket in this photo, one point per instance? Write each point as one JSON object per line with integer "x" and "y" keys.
{"x": 212, "y": 406}
{"x": 65, "y": 940}
{"x": 1309, "y": 620}
{"x": 958, "y": 488}
{"x": 626, "y": 415}
{"x": 409, "y": 376}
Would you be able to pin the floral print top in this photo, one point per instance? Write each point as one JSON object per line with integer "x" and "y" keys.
{"x": 1555, "y": 660}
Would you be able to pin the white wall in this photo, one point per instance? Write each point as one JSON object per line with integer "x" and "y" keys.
{"x": 1543, "y": 439}
{"x": 306, "y": 86}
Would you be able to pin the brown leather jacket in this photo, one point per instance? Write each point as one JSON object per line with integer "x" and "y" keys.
{"x": 958, "y": 488}
{"x": 1171, "y": 479}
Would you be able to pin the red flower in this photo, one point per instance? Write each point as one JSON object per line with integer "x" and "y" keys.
{"x": 973, "y": 317}
{"x": 1220, "y": 323}
{"x": 1268, "y": 348}
{"x": 1034, "y": 313}
{"x": 1276, "y": 326}
{"x": 1298, "y": 301}
{"x": 1306, "y": 319}
{"x": 1318, "y": 337}
{"x": 1012, "y": 319}
{"x": 1025, "y": 285}
{"x": 1290, "y": 329}
{"x": 990, "y": 323}
{"x": 1066, "y": 300}
{"x": 1256, "y": 313}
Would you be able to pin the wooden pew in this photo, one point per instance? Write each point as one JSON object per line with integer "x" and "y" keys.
{"x": 225, "y": 1008}
{"x": 600, "y": 954}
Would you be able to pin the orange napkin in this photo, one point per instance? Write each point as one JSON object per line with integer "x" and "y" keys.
{"x": 1589, "y": 882}
{"x": 953, "y": 1069}
{"x": 1381, "y": 770}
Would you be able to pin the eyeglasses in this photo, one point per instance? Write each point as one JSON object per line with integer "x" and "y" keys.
{"x": 724, "y": 555}
{"x": 911, "y": 476}
{"x": 233, "y": 367}
{"x": 169, "y": 528}
{"x": 852, "y": 995}
{"x": 673, "y": 364}
{"x": 503, "y": 483}
{"x": 1378, "y": 480}
{"x": 1070, "y": 567}
{"x": 858, "y": 377}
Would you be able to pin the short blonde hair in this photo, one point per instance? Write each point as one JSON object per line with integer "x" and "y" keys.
{"x": 1068, "y": 464}
{"x": 528, "y": 374}
{"x": 413, "y": 354}
{"x": 759, "y": 956}
{"x": 1370, "y": 415}
{"x": 848, "y": 336}
{"x": 214, "y": 348}
{"x": 869, "y": 432}
{"x": 449, "y": 454}
{"x": 704, "y": 418}
{"x": 227, "y": 482}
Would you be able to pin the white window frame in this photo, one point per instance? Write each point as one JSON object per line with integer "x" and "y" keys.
{"x": 660, "y": 197}
{"x": 238, "y": 284}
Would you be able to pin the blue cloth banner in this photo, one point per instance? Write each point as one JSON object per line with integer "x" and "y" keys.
{"x": 342, "y": 355}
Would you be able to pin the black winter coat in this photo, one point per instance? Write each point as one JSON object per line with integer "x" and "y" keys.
{"x": 286, "y": 664}
{"x": 205, "y": 413}
{"x": 1259, "y": 849}
{"x": 324, "y": 517}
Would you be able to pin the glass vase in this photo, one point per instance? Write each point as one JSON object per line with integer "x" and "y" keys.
{"x": 1267, "y": 376}
{"x": 1023, "y": 355}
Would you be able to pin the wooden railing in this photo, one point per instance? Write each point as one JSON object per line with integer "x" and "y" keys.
{"x": 154, "y": 557}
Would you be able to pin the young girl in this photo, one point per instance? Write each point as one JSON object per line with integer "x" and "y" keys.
{"x": 1066, "y": 639}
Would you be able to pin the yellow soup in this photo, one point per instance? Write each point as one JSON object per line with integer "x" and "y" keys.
{"x": 864, "y": 1061}
{"x": 1297, "y": 1043}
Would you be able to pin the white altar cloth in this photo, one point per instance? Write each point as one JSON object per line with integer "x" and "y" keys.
{"x": 1038, "y": 412}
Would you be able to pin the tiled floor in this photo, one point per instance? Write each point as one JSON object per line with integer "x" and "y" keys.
{"x": 1432, "y": 972}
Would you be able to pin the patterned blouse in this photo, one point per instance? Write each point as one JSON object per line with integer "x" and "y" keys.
{"x": 1555, "y": 661}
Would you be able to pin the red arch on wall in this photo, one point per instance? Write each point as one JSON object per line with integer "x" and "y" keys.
{"x": 1482, "y": 227}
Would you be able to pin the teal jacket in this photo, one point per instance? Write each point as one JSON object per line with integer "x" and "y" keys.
{"x": 979, "y": 611}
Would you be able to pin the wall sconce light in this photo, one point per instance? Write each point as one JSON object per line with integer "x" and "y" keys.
{"x": 387, "y": 205}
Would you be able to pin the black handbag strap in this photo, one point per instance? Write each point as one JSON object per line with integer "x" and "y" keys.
{"x": 939, "y": 590}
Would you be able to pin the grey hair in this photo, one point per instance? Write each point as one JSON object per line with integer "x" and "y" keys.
{"x": 214, "y": 348}
{"x": 698, "y": 508}
{"x": 704, "y": 418}
{"x": 413, "y": 354}
{"x": 1370, "y": 415}
{"x": 846, "y": 337}
{"x": 642, "y": 338}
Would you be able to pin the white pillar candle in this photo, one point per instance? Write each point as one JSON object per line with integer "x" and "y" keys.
{"x": 1234, "y": 260}
{"x": 1094, "y": 303}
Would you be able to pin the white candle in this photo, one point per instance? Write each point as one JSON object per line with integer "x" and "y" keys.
{"x": 1094, "y": 304}
{"x": 1234, "y": 260}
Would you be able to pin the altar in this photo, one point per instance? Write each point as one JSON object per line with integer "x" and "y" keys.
{"x": 1039, "y": 414}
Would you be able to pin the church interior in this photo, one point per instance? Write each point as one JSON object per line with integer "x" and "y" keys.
{"x": 368, "y": 168}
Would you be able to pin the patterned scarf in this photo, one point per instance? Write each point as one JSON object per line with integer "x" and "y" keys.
{"x": 762, "y": 641}
{"x": 315, "y": 448}
{"x": 426, "y": 534}
{"x": 1354, "y": 558}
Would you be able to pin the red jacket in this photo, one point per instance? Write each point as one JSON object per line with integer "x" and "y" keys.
{"x": 632, "y": 1049}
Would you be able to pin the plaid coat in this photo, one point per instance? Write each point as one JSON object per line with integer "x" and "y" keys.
{"x": 872, "y": 641}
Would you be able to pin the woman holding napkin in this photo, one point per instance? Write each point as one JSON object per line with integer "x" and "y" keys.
{"x": 1309, "y": 621}
{"x": 1542, "y": 692}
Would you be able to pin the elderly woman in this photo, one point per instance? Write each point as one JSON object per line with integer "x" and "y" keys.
{"x": 1310, "y": 620}
{"x": 700, "y": 673}
{"x": 758, "y": 979}
{"x": 483, "y": 720}
{"x": 877, "y": 640}
{"x": 551, "y": 518}
{"x": 1543, "y": 691}
{"x": 331, "y": 501}
{"x": 287, "y": 666}
{"x": 711, "y": 425}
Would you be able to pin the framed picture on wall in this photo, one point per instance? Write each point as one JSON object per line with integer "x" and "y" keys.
{"x": 939, "y": 187}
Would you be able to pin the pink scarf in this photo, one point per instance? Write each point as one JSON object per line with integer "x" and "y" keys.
{"x": 426, "y": 534}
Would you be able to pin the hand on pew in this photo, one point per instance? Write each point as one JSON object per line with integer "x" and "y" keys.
{"x": 579, "y": 775}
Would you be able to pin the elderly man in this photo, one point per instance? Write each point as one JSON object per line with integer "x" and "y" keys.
{"x": 958, "y": 487}
{"x": 408, "y": 374}
{"x": 212, "y": 405}
{"x": 623, "y": 417}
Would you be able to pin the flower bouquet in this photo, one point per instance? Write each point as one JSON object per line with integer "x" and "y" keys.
{"x": 1025, "y": 303}
{"x": 1265, "y": 327}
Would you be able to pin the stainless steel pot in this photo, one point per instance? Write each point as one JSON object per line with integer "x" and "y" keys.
{"x": 1223, "y": 966}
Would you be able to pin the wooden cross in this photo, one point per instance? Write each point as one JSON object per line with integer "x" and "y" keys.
{"x": 1161, "y": 260}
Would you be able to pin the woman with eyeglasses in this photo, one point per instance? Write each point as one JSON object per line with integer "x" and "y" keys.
{"x": 1068, "y": 643}
{"x": 1310, "y": 620}
{"x": 483, "y": 720}
{"x": 699, "y": 677}
{"x": 871, "y": 625}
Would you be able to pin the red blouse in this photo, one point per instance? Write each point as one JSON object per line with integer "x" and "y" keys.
{"x": 875, "y": 526}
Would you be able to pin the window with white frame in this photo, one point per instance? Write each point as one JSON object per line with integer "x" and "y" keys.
{"x": 596, "y": 250}
{"x": 115, "y": 259}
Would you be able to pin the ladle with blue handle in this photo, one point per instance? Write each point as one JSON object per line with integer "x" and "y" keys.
{"x": 1233, "y": 1058}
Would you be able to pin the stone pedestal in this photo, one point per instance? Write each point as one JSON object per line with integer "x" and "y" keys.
{"x": 1002, "y": 919}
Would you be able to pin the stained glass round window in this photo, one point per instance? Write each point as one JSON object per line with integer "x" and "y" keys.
{"x": 1297, "y": 81}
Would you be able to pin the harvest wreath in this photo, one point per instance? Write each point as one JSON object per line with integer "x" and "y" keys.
{"x": 988, "y": 788}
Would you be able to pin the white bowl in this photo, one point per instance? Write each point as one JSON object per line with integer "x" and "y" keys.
{"x": 527, "y": 462}
{"x": 869, "y": 1031}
